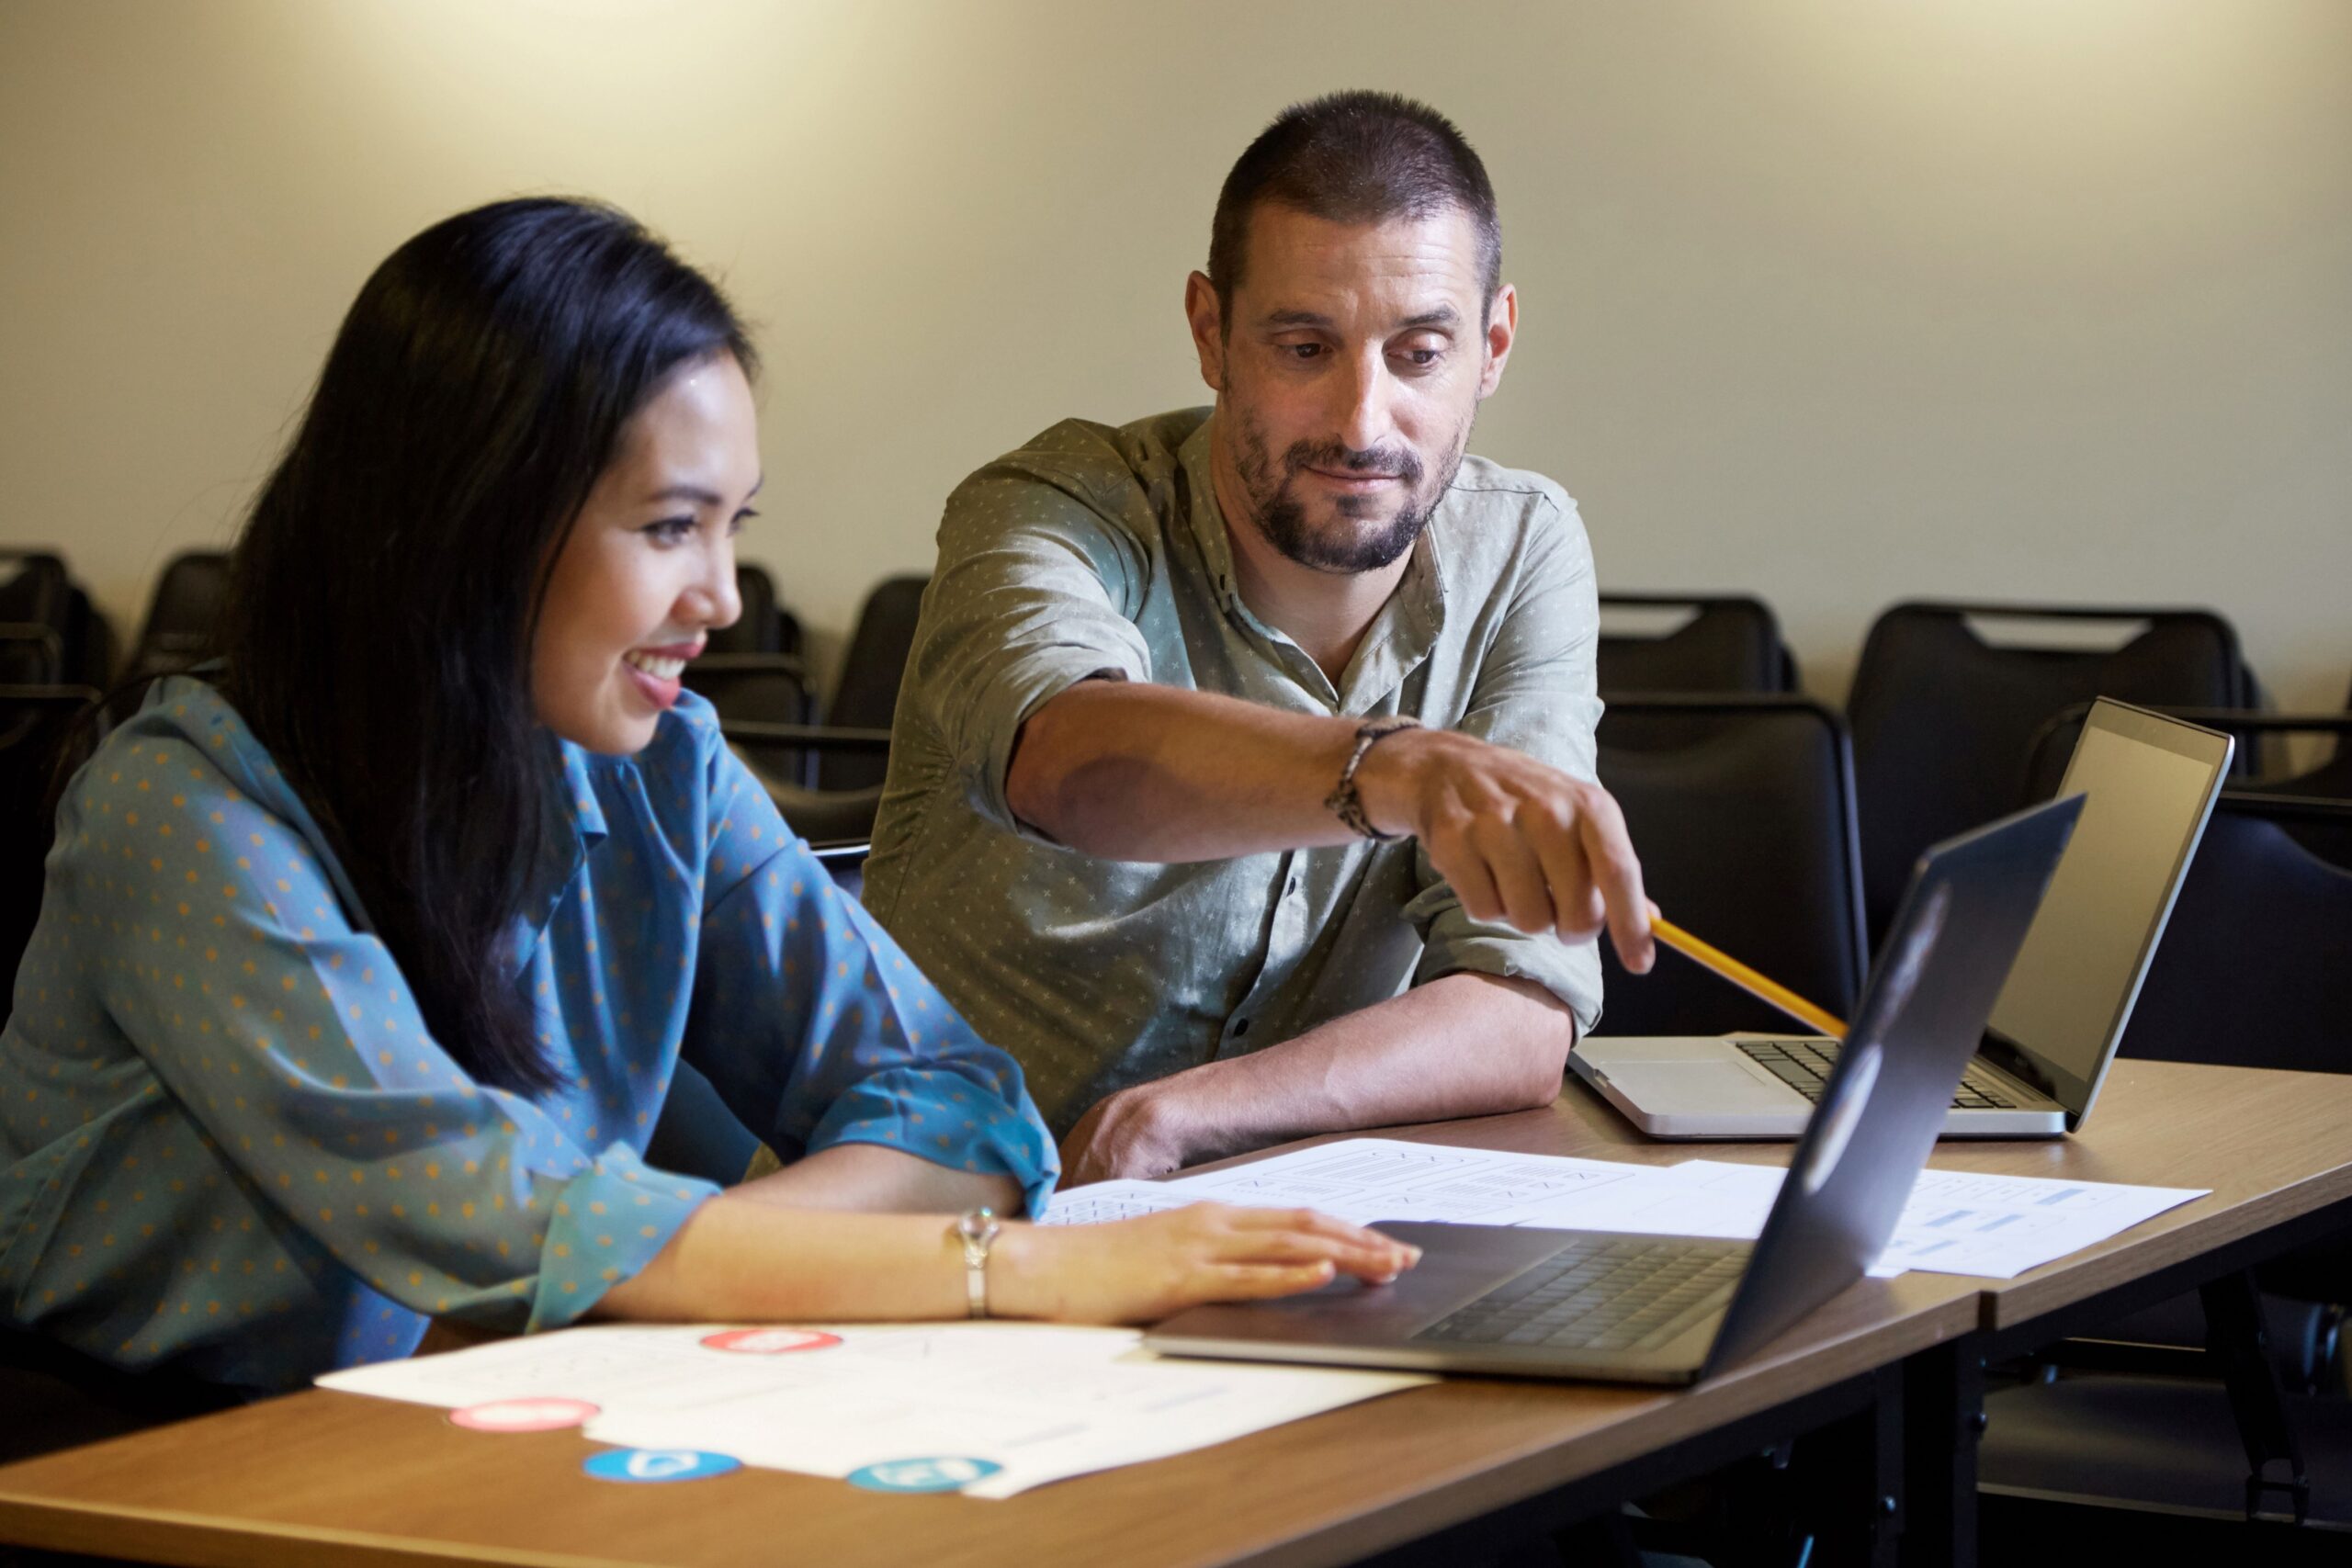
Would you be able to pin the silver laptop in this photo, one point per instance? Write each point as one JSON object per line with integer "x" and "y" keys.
{"x": 2150, "y": 783}
{"x": 1671, "y": 1309}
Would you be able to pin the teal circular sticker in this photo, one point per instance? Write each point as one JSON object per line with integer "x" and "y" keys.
{"x": 935, "y": 1474}
{"x": 658, "y": 1464}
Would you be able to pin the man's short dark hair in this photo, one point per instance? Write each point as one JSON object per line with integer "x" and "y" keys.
{"x": 1355, "y": 157}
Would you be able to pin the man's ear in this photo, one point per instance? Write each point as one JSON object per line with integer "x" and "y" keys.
{"x": 1206, "y": 319}
{"x": 1502, "y": 331}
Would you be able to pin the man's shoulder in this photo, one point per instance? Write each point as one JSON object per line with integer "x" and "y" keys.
{"x": 1110, "y": 466}
{"x": 1502, "y": 516}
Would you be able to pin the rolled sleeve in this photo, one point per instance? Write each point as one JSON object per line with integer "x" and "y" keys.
{"x": 291, "y": 1039}
{"x": 816, "y": 1030}
{"x": 1035, "y": 590}
{"x": 1537, "y": 692}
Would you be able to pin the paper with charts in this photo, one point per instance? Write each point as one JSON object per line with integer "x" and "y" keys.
{"x": 1367, "y": 1178}
{"x": 1956, "y": 1223}
{"x": 989, "y": 1409}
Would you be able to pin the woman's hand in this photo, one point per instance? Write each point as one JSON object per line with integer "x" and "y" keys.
{"x": 1142, "y": 1270}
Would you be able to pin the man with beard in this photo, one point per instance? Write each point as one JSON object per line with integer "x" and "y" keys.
{"x": 1242, "y": 779}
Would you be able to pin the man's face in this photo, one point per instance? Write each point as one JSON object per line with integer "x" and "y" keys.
{"x": 1349, "y": 368}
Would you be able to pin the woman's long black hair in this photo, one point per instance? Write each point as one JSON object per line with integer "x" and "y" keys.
{"x": 384, "y": 593}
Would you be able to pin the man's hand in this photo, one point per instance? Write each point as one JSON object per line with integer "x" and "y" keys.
{"x": 1133, "y": 1132}
{"x": 1519, "y": 840}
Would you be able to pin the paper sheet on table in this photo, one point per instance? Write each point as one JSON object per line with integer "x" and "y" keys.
{"x": 1362, "y": 1179}
{"x": 1956, "y": 1222}
{"x": 1042, "y": 1401}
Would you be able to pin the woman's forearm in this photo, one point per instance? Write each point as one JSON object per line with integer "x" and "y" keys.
{"x": 738, "y": 1257}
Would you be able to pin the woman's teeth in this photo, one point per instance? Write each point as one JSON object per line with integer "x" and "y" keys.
{"x": 660, "y": 669}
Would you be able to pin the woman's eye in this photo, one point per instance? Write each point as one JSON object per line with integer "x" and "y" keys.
{"x": 669, "y": 530}
{"x": 735, "y": 526}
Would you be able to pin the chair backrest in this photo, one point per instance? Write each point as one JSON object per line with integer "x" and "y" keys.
{"x": 36, "y": 604}
{"x": 2332, "y": 780}
{"x": 760, "y": 688}
{"x": 1742, "y": 810}
{"x": 2252, "y": 971}
{"x": 867, "y": 695}
{"x": 1715, "y": 644}
{"x": 1944, "y": 721}
{"x": 184, "y": 616}
{"x": 36, "y": 723}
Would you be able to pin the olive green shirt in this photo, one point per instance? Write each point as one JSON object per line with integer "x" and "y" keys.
{"x": 1094, "y": 551}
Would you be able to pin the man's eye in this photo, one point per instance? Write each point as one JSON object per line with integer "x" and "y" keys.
{"x": 1423, "y": 358}
{"x": 1303, "y": 350}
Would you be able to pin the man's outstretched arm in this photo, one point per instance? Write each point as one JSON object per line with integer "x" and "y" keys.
{"x": 1129, "y": 770}
{"x": 1464, "y": 1045}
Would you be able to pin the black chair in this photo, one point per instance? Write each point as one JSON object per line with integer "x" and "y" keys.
{"x": 1943, "y": 721}
{"x": 761, "y": 689}
{"x": 867, "y": 694}
{"x": 2319, "y": 832}
{"x": 1718, "y": 643}
{"x": 1742, "y": 809}
{"x": 2250, "y": 973}
{"x": 2331, "y": 779}
{"x": 35, "y": 607}
{"x": 2252, "y": 970}
{"x": 184, "y": 616}
{"x": 37, "y": 725}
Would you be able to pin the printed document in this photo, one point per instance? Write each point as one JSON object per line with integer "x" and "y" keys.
{"x": 1015, "y": 1404}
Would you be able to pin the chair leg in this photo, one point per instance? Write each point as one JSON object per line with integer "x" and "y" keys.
{"x": 2239, "y": 1339}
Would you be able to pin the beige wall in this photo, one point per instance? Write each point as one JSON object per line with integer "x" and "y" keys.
{"x": 1836, "y": 302}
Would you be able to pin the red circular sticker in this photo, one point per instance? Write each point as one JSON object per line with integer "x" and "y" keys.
{"x": 770, "y": 1341}
{"x": 522, "y": 1414}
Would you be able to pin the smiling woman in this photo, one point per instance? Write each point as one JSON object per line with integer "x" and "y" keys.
{"x": 367, "y": 954}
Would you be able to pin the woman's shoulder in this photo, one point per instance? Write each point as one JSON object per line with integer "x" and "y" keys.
{"x": 187, "y": 742}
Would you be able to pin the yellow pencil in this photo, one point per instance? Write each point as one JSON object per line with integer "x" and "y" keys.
{"x": 1747, "y": 979}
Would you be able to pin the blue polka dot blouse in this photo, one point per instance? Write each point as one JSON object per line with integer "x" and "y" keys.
{"x": 228, "y": 1141}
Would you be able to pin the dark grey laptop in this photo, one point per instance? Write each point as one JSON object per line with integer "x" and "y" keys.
{"x": 2150, "y": 783}
{"x": 1670, "y": 1309}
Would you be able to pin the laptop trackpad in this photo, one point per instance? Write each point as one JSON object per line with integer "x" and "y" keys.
{"x": 1699, "y": 1085}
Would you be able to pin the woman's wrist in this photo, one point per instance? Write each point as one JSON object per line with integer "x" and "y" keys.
{"x": 1018, "y": 1270}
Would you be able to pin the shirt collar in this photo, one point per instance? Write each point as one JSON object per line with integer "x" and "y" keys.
{"x": 575, "y": 827}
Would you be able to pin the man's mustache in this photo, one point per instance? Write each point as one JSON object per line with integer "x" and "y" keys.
{"x": 1399, "y": 465}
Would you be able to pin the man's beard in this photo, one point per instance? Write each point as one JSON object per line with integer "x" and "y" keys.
{"x": 1280, "y": 516}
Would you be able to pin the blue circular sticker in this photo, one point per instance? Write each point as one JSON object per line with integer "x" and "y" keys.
{"x": 935, "y": 1474}
{"x": 658, "y": 1464}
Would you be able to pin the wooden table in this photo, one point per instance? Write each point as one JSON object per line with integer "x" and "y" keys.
{"x": 332, "y": 1479}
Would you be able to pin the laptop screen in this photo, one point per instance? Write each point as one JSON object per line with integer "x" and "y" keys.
{"x": 2149, "y": 782}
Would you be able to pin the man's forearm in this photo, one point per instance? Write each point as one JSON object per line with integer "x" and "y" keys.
{"x": 1129, "y": 770}
{"x": 1462, "y": 1045}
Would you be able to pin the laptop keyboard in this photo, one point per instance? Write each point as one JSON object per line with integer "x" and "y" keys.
{"x": 1804, "y": 1065}
{"x": 1603, "y": 1293}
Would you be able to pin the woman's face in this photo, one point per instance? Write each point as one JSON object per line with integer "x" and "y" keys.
{"x": 649, "y": 567}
